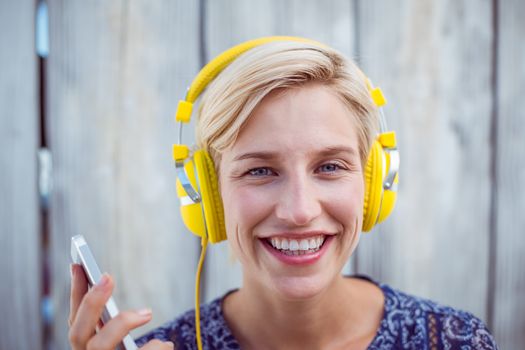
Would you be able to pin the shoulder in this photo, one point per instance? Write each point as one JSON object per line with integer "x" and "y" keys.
{"x": 181, "y": 330}
{"x": 411, "y": 322}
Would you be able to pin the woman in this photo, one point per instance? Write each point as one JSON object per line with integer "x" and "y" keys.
{"x": 289, "y": 125}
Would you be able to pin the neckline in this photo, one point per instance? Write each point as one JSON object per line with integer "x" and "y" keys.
{"x": 382, "y": 323}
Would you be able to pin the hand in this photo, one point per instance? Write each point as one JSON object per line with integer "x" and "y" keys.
{"x": 86, "y": 308}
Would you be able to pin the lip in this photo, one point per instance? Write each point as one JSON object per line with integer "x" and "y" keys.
{"x": 298, "y": 260}
{"x": 298, "y": 235}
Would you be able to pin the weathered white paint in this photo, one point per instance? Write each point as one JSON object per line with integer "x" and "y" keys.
{"x": 509, "y": 287}
{"x": 20, "y": 269}
{"x": 116, "y": 72}
{"x": 433, "y": 61}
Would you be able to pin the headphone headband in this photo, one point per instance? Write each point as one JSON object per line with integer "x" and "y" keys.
{"x": 217, "y": 65}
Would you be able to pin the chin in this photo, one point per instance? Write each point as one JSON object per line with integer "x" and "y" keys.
{"x": 300, "y": 287}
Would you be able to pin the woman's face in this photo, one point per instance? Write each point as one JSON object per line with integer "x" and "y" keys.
{"x": 292, "y": 188}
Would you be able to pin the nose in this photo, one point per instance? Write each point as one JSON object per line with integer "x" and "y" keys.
{"x": 298, "y": 203}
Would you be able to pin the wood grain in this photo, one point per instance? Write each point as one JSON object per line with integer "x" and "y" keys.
{"x": 20, "y": 269}
{"x": 509, "y": 288}
{"x": 116, "y": 71}
{"x": 432, "y": 60}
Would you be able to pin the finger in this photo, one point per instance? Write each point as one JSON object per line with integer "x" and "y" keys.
{"x": 156, "y": 344}
{"x": 117, "y": 328}
{"x": 89, "y": 312}
{"x": 79, "y": 287}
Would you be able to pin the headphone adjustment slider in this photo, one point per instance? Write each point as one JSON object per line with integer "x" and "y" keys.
{"x": 378, "y": 97}
{"x": 388, "y": 140}
{"x": 184, "y": 109}
{"x": 180, "y": 152}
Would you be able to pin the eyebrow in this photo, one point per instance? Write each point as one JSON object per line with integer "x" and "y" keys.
{"x": 326, "y": 151}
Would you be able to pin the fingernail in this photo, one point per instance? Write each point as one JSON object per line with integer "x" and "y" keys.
{"x": 103, "y": 282}
{"x": 146, "y": 312}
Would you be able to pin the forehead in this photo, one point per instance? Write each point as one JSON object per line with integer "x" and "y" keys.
{"x": 303, "y": 119}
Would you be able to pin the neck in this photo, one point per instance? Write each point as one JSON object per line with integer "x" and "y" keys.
{"x": 265, "y": 321}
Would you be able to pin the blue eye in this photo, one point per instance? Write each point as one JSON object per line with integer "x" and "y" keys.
{"x": 329, "y": 168}
{"x": 260, "y": 172}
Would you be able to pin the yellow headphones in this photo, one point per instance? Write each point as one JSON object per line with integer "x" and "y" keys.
{"x": 197, "y": 188}
{"x": 197, "y": 184}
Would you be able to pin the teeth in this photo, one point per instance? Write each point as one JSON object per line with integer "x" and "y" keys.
{"x": 297, "y": 247}
{"x": 304, "y": 244}
{"x": 276, "y": 243}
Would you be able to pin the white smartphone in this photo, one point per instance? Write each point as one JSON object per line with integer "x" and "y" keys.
{"x": 81, "y": 254}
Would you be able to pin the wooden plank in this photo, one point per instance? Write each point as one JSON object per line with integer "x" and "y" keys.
{"x": 433, "y": 61}
{"x": 231, "y": 22}
{"x": 20, "y": 268}
{"x": 509, "y": 286}
{"x": 116, "y": 71}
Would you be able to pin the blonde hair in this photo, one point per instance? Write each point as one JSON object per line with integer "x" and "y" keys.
{"x": 230, "y": 98}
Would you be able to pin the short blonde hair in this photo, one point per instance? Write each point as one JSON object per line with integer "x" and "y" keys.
{"x": 230, "y": 98}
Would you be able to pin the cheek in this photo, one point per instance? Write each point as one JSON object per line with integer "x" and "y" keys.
{"x": 346, "y": 205}
{"x": 347, "y": 198}
{"x": 244, "y": 208}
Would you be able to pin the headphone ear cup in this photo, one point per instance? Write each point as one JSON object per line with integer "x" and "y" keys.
{"x": 374, "y": 173}
{"x": 211, "y": 197}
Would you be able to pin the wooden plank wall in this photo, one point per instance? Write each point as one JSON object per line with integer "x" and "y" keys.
{"x": 433, "y": 60}
{"x": 453, "y": 71}
{"x": 508, "y": 275}
{"x": 20, "y": 270}
{"x": 116, "y": 70}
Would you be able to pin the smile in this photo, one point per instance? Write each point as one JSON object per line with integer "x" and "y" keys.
{"x": 297, "y": 246}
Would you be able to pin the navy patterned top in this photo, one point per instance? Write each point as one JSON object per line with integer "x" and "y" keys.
{"x": 408, "y": 323}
